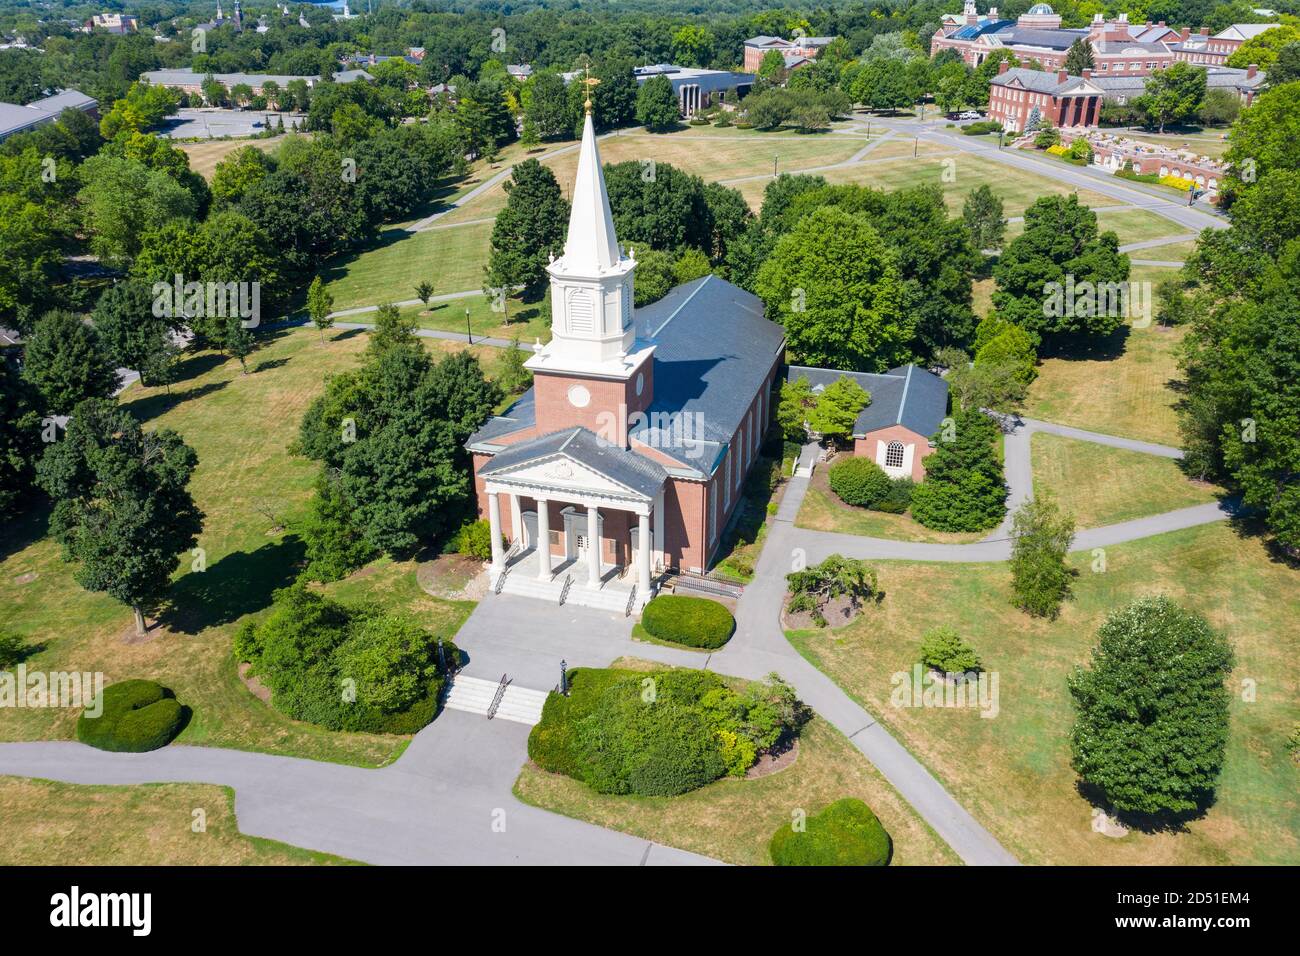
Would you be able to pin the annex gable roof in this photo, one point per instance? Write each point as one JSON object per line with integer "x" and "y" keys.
{"x": 908, "y": 395}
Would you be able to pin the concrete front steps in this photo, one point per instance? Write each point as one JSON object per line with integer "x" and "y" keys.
{"x": 474, "y": 695}
{"x": 612, "y": 597}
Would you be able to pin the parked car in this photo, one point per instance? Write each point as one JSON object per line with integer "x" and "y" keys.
{"x": 971, "y": 115}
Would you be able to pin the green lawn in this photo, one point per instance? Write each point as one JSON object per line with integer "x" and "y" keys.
{"x": 733, "y": 820}
{"x": 1130, "y": 391}
{"x": 60, "y": 824}
{"x": 1138, "y": 225}
{"x": 1173, "y": 252}
{"x": 519, "y": 318}
{"x": 252, "y": 493}
{"x": 1101, "y": 485}
{"x": 1012, "y": 771}
{"x": 451, "y": 259}
{"x": 822, "y": 510}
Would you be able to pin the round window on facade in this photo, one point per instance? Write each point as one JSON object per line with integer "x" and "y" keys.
{"x": 579, "y": 397}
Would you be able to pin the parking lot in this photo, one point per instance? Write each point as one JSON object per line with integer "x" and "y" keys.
{"x": 214, "y": 123}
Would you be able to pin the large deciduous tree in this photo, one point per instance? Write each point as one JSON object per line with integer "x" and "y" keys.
{"x": 529, "y": 230}
{"x": 1152, "y": 710}
{"x": 658, "y": 204}
{"x": 123, "y": 511}
{"x": 1172, "y": 95}
{"x": 1041, "y": 274}
{"x": 656, "y": 106}
{"x": 835, "y": 286}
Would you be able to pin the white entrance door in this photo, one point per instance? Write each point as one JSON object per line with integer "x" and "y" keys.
{"x": 530, "y": 529}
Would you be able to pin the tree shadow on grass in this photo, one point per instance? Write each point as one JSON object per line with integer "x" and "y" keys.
{"x": 154, "y": 406}
{"x": 1148, "y": 823}
{"x": 19, "y": 532}
{"x": 268, "y": 364}
{"x": 238, "y": 584}
{"x": 1251, "y": 525}
{"x": 1090, "y": 348}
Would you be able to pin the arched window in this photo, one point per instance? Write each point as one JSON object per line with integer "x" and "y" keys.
{"x": 894, "y": 455}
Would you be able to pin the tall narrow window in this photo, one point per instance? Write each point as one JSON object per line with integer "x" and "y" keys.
{"x": 894, "y": 455}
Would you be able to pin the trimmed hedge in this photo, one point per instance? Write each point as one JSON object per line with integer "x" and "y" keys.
{"x": 691, "y": 621}
{"x": 858, "y": 481}
{"x": 138, "y": 715}
{"x": 846, "y": 833}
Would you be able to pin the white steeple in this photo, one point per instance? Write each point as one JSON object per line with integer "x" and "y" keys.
{"x": 592, "y": 325}
{"x": 591, "y": 246}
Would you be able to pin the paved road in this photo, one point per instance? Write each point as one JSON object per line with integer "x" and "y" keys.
{"x": 445, "y": 801}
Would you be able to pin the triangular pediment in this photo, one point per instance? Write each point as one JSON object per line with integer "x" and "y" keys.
{"x": 565, "y": 473}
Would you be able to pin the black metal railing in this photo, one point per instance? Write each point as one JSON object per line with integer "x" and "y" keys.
{"x": 496, "y": 698}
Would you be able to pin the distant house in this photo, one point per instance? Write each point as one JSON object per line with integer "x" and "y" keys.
{"x": 796, "y": 52}
{"x": 120, "y": 23}
{"x": 908, "y": 406}
{"x": 1214, "y": 50}
{"x": 20, "y": 119}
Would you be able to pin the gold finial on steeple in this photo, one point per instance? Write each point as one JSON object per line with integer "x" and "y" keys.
{"x": 588, "y": 81}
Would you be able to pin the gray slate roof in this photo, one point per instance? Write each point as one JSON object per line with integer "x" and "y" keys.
{"x": 627, "y": 468}
{"x": 908, "y": 395}
{"x": 1039, "y": 81}
{"x": 16, "y": 119}
{"x": 713, "y": 348}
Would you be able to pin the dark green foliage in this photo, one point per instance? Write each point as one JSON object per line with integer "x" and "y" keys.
{"x": 12, "y": 650}
{"x": 334, "y": 546}
{"x": 66, "y": 362}
{"x": 692, "y": 621}
{"x": 982, "y": 214}
{"x": 1041, "y": 535}
{"x": 846, "y": 833}
{"x": 980, "y": 128}
{"x": 835, "y": 577}
{"x": 656, "y": 105}
{"x": 129, "y": 331}
{"x": 1060, "y": 240}
{"x": 899, "y": 497}
{"x": 123, "y": 511}
{"x": 529, "y": 229}
{"x": 963, "y": 488}
{"x": 20, "y": 436}
{"x": 858, "y": 481}
{"x": 344, "y": 667}
{"x": 138, "y": 715}
{"x": 657, "y": 204}
{"x": 1152, "y": 711}
{"x": 659, "y": 733}
{"x": 943, "y": 650}
{"x": 395, "y": 431}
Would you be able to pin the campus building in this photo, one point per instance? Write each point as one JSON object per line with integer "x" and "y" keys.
{"x": 896, "y": 429}
{"x": 1060, "y": 99}
{"x": 20, "y": 119}
{"x": 1205, "y": 50}
{"x": 629, "y": 453}
{"x": 1118, "y": 47}
{"x": 187, "y": 81}
{"x": 795, "y": 52}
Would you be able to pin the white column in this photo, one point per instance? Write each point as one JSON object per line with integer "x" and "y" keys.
{"x": 593, "y": 545}
{"x": 643, "y": 555}
{"x": 659, "y": 529}
{"x": 543, "y": 542}
{"x": 494, "y": 521}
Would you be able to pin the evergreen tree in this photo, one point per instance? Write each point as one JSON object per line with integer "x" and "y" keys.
{"x": 1041, "y": 535}
{"x": 66, "y": 362}
{"x": 529, "y": 230}
{"x": 1079, "y": 57}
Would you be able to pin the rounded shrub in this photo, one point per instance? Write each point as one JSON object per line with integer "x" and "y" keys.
{"x": 475, "y": 540}
{"x": 858, "y": 481}
{"x": 136, "y": 715}
{"x": 846, "y": 833}
{"x": 692, "y": 621}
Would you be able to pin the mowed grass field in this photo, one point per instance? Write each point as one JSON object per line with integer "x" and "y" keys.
{"x": 1131, "y": 392}
{"x": 451, "y": 259}
{"x": 253, "y": 493}
{"x": 734, "y": 819}
{"x": 205, "y": 156}
{"x": 1101, "y": 485}
{"x": 822, "y": 510}
{"x": 1137, "y": 225}
{"x": 1013, "y": 770}
{"x": 148, "y": 825}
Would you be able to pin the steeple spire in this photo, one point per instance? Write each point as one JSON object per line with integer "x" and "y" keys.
{"x": 591, "y": 246}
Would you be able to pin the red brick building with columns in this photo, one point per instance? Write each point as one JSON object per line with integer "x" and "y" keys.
{"x": 629, "y": 453}
{"x": 1061, "y": 100}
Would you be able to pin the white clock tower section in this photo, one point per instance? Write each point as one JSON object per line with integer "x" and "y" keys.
{"x": 593, "y": 330}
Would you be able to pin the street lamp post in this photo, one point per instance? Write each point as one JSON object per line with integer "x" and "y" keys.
{"x": 469, "y": 332}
